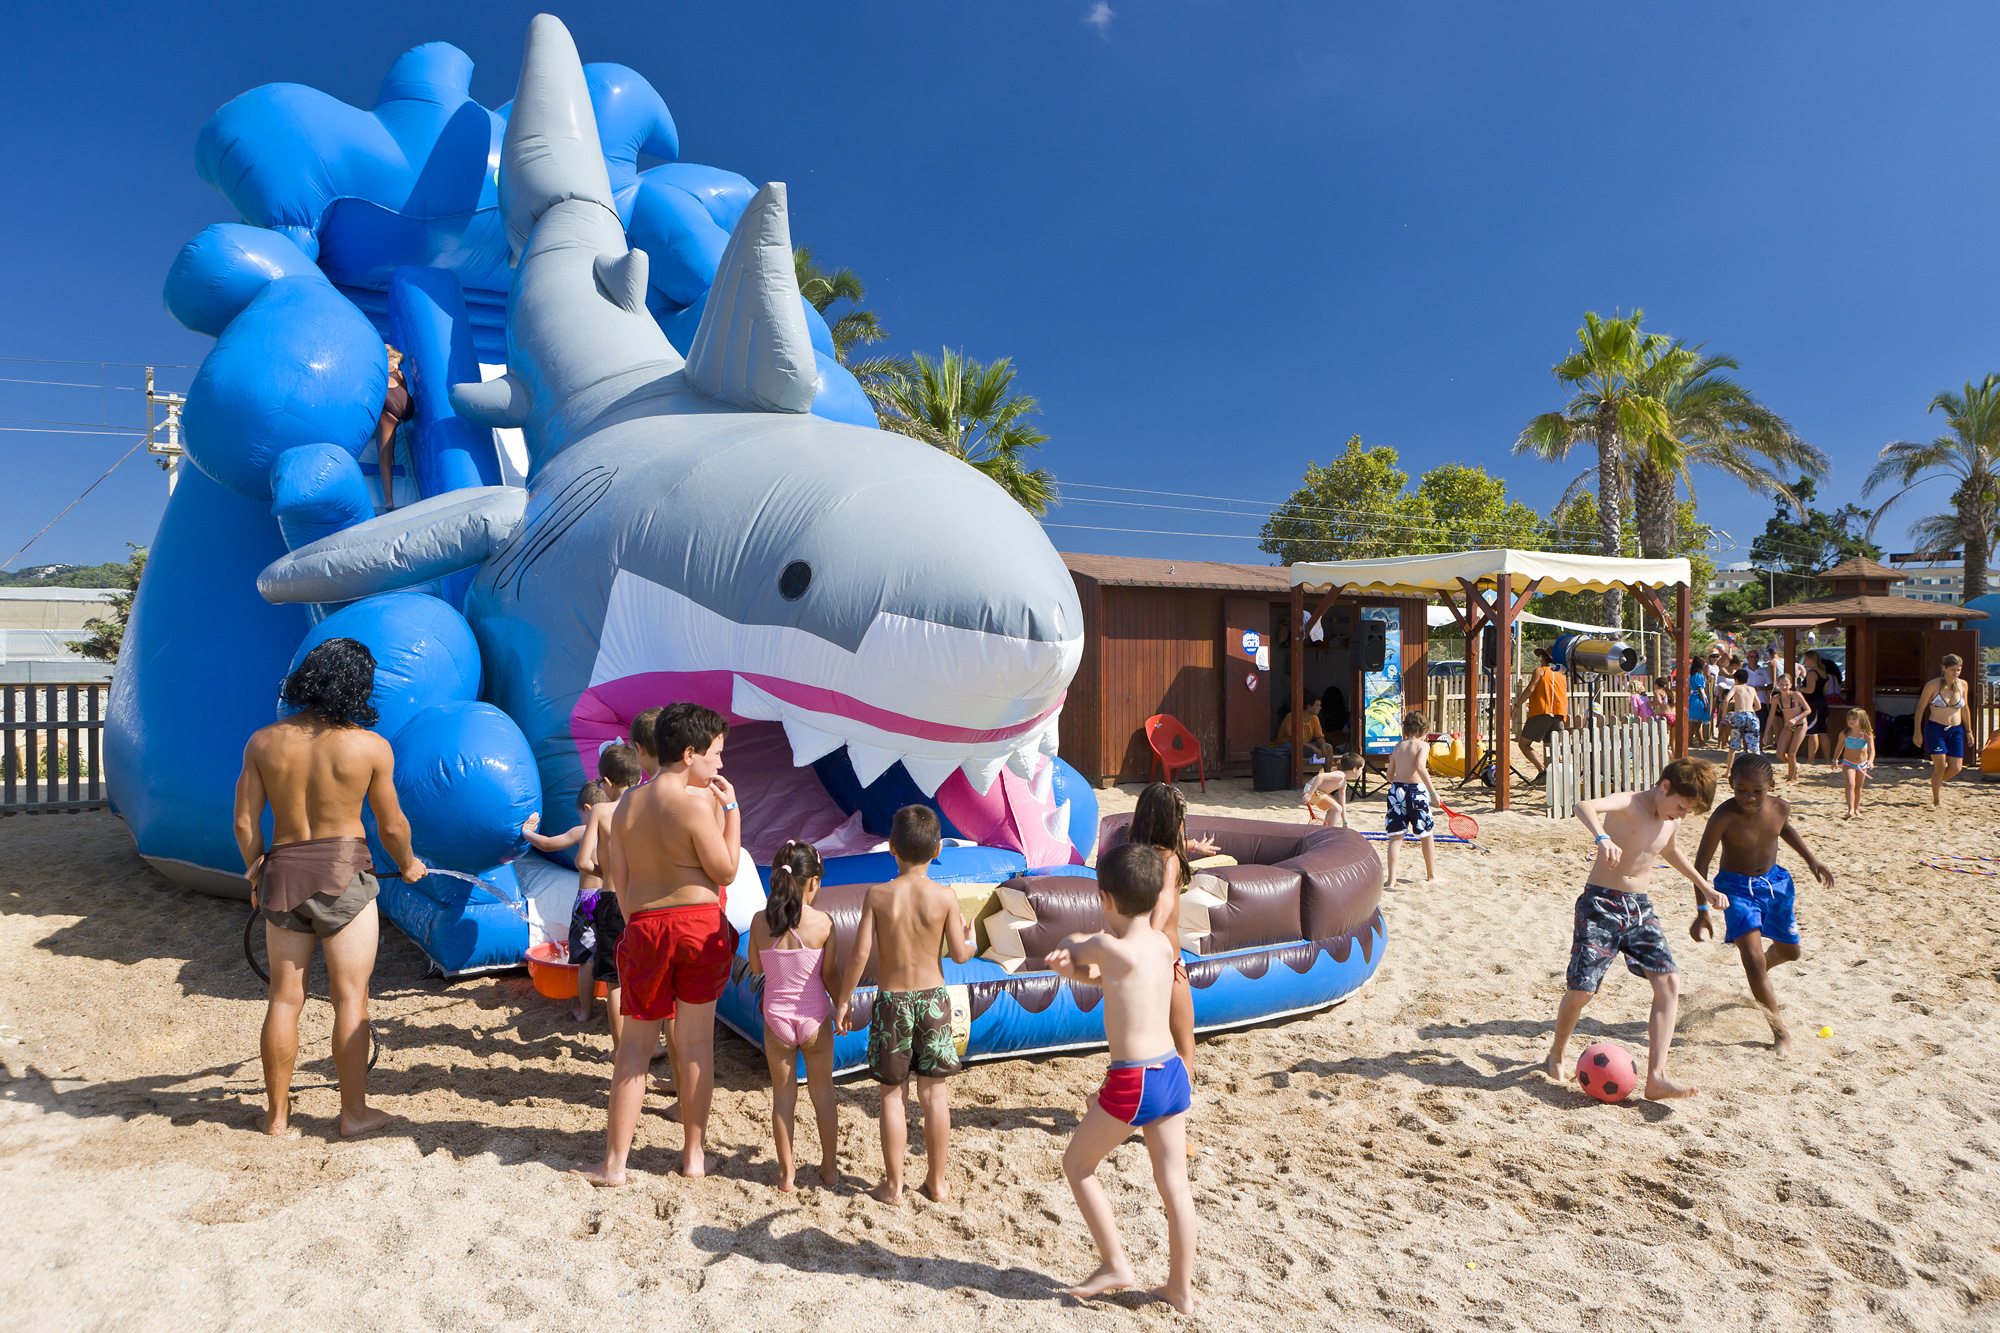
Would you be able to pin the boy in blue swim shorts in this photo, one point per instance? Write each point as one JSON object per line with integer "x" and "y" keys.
{"x": 1146, "y": 1088}
{"x": 1760, "y": 919}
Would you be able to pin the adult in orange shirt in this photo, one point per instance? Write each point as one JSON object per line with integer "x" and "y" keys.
{"x": 1545, "y": 699}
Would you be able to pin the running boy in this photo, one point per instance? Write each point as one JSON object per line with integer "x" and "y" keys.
{"x": 1133, "y": 963}
{"x": 1326, "y": 793}
{"x": 1614, "y": 915}
{"x": 595, "y": 924}
{"x": 1740, "y": 709}
{"x": 1410, "y": 794}
{"x": 912, "y": 921}
{"x": 1759, "y": 920}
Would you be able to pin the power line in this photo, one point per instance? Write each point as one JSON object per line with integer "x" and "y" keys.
{"x": 124, "y": 365}
{"x": 72, "y": 504}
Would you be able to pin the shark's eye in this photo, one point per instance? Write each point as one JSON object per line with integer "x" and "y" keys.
{"x": 792, "y": 584}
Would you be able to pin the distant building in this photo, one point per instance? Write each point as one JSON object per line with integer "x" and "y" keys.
{"x": 1731, "y": 577}
{"x": 39, "y": 628}
{"x": 1936, "y": 576}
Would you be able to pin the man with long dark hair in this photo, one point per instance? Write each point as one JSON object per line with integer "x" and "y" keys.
{"x": 314, "y": 769}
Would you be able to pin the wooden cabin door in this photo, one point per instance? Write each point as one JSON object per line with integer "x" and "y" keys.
{"x": 1246, "y": 689}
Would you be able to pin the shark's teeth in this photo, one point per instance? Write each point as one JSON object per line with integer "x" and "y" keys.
{"x": 870, "y": 762}
{"x": 1023, "y": 761}
{"x": 929, "y": 774}
{"x": 747, "y": 701}
{"x": 1056, "y": 821}
{"x": 1050, "y": 739}
{"x": 1043, "y": 782}
{"x": 810, "y": 743}
{"x": 981, "y": 772}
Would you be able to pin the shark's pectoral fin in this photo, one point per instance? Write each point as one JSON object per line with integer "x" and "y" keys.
{"x": 623, "y": 280}
{"x": 404, "y": 548}
{"x": 753, "y": 349}
{"x": 502, "y": 403}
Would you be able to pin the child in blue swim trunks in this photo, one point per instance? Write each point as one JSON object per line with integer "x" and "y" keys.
{"x": 1760, "y": 919}
{"x": 1146, "y": 1087}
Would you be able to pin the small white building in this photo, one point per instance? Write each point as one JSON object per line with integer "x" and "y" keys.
{"x": 38, "y": 628}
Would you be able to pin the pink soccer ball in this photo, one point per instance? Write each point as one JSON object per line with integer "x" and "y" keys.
{"x": 1607, "y": 1071}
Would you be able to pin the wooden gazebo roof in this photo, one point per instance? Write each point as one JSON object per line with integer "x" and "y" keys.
{"x": 1861, "y": 589}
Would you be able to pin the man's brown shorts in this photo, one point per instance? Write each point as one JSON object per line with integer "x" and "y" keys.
{"x": 323, "y": 914}
{"x": 1539, "y": 727}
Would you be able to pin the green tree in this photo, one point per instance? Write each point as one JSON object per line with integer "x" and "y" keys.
{"x": 1711, "y": 421}
{"x": 1355, "y": 508}
{"x": 971, "y": 412}
{"x": 1970, "y": 456}
{"x": 107, "y": 636}
{"x": 1612, "y": 403}
{"x": 824, "y": 288}
{"x": 1468, "y": 509}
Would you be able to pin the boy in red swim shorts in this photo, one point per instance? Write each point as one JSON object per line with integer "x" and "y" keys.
{"x": 674, "y": 841}
{"x": 1146, "y": 1087}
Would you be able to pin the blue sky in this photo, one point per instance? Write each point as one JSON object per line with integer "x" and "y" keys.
{"x": 1217, "y": 238}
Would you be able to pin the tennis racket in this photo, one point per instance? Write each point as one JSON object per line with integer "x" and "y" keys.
{"x": 1461, "y": 826}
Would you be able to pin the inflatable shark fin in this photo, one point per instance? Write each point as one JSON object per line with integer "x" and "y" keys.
{"x": 501, "y": 402}
{"x": 623, "y": 280}
{"x": 403, "y": 548}
{"x": 753, "y": 349}
{"x": 551, "y": 151}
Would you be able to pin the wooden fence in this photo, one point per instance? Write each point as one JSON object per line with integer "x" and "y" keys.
{"x": 1445, "y": 705}
{"x": 52, "y": 748}
{"x": 1598, "y": 761}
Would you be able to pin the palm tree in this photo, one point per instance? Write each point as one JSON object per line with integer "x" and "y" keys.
{"x": 1710, "y": 421}
{"x": 970, "y": 411}
{"x": 1971, "y": 455}
{"x": 1613, "y": 403}
{"x": 822, "y": 288}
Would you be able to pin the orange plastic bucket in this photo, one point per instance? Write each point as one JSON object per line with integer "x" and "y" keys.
{"x": 553, "y": 974}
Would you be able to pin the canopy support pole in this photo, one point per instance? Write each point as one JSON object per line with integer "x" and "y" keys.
{"x": 1683, "y": 667}
{"x": 1503, "y": 700}
{"x": 1474, "y": 620}
{"x": 1298, "y": 669}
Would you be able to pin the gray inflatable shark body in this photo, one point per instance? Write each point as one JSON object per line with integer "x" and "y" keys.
{"x": 689, "y": 531}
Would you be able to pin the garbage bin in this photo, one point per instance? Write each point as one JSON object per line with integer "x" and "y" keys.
{"x": 1271, "y": 767}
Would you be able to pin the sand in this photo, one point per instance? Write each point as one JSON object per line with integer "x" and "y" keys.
{"x": 1396, "y": 1162}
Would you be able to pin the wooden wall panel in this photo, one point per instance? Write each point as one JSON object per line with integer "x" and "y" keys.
{"x": 1080, "y": 727}
{"x": 1416, "y": 653}
{"x": 1160, "y": 653}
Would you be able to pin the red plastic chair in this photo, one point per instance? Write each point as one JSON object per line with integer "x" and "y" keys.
{"x": 1174, "y": 747}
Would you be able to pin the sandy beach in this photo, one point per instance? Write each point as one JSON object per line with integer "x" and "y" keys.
{"x": 1396, "y": 1162}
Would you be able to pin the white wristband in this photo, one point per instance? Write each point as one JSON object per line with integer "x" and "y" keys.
{"x": 727, "y": 808}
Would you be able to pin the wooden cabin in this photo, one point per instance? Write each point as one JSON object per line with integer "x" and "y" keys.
{"x": 1209, "y": 644}
{"x": 1894, "y": 644}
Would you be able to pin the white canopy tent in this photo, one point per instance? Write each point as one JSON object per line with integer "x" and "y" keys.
{"x": 1481, "y": 589}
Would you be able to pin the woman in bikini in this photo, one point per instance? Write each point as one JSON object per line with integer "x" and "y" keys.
{"x": 1945, "y": 707}
{"x": 792, "y": 948}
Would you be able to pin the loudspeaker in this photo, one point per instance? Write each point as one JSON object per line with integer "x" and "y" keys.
{"x": 1374, "y": 645}
{"x": 1489, "y": 651}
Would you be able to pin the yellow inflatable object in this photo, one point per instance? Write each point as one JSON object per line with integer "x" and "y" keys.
{"x": 1826, "y": 1032}
{"x": 1448, "y": 757}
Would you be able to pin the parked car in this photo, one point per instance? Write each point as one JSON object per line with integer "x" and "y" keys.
{"x": 1452, "y": 666}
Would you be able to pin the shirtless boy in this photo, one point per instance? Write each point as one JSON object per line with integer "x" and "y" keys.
{"x": 911, "y": 921}
{"x": 673, "y": 848}
{"x": 1615, "y": 916}
{"x": 1146, "y": 1087}
{"x": 1411, "y": 793}
{"x": 1759, "y": 920}
{"x": 649, "y": 767}
{"x": 315, "y": 768}
{"x": 1325, "y": 794}
{"x": 1945, "y": 708}
{"x": 595, "y": 924}
{"x": 1740, "y": 711}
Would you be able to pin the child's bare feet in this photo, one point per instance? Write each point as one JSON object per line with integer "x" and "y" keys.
{"x": 603, "y": 1177}
{"x": 1182, "y": 1301}
{"x": 887, "y": 1193}
{"x": 1781, "y": 1040}
{"x": 785, "y": 1185}
{"x": 370, "y": 1120}
{"x": 277, "y": 1126}
{"x": 694, "y": 1163}
{"x": 1553, "y": 1067}
{"x": 829, "y": 1173}
{"x": 1660, "y": 1090}
{"x": 1106, "y": 1278}
{"x": 937, "y": 1192}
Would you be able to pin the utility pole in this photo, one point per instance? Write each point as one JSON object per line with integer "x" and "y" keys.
{"x": 163, "y": 413}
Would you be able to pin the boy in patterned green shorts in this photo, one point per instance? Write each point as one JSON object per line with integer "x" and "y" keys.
{"x": 912, "y": 921}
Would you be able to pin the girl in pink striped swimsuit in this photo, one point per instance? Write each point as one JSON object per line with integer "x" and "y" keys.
{"x": 792, "y": 948}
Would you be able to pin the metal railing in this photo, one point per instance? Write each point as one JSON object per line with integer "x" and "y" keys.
{"x": 52, "y": 748}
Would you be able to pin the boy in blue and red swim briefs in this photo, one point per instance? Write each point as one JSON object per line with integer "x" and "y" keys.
{"x": 1132, "y": 963}
{"x": 1760, "y": 919}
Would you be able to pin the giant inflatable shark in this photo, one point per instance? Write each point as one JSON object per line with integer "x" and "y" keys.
{"x": 689, "y": 530}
